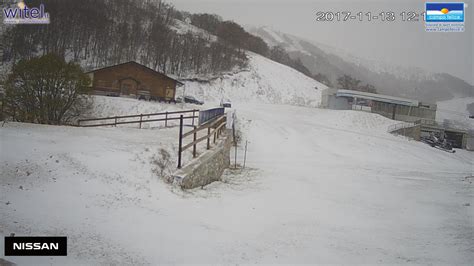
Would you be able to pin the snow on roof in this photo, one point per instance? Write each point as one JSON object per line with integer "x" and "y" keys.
{"x": 376, "y": 97}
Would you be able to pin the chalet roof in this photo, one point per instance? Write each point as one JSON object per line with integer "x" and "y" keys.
{"x": 140, "y": 65}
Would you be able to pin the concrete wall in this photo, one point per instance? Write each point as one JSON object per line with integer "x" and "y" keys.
{"x": 208, "y": 167}
{"x": 405, "y": 113}
{"x": 469, "y": 140}
{"x": 335, "y": 103}
{"x": 330, "y": 101}
{"x": 411, "y": 132}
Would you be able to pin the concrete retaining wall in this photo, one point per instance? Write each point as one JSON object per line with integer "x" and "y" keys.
{"x": 208, "y": 167}
{"x": 411, "y": 132}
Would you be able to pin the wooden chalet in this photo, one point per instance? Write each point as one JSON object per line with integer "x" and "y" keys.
{"x": 133, "y": 80}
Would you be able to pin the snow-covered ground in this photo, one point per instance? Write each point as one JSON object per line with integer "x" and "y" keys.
{"x": 103, "y": 106}
{"x": 321, "y": 186}
{"x": 264, "y": 82}
{"x": 456, "y": 111}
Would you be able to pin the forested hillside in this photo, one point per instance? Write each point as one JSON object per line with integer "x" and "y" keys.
{"x": 104, "y": 32}
{"x": 99, "y": 33}
{"x": 337, "y": 68}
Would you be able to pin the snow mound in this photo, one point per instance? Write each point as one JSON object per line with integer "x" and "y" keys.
{"x": 105, "y": 106}
{"x": 349, "y": 119}
{"x": 264, "y": 82}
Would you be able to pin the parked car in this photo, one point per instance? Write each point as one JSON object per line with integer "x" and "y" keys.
{"x": 226, "y": 103}
{"x": 191, "y": 99}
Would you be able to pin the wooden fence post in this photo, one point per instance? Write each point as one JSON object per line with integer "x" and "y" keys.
{"x": 141, "y": 116}
{"x": 180, "y": 148}
{"x": 194, "y": 139}
{"x": 208, "y": 138}
{"x": 166, "y": 119}
{"x": 245, "y": 154}
{"x": 115, "y": 124}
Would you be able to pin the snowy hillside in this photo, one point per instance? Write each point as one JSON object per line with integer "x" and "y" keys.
{"x": 292, "y": 43}
{"x": 410, "y": 82}
{"x": 265, "y": 81}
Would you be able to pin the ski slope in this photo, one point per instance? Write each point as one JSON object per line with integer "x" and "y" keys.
{"x": 455, "y": 110}
{"x": 321, "y": 186}
{"x": 265, "y": 81}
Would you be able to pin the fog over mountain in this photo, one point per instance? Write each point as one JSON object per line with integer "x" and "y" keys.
{"x": 379, "y": 47}
{"x": 388, "y": 78}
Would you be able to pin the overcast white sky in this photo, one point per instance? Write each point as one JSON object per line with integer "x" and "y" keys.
{"x": 403, "y": 43}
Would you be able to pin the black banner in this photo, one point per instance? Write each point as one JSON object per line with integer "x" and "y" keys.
{"x": 36, "y": 246}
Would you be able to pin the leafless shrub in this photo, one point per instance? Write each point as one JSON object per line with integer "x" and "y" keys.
{"x": 162, "y": 163}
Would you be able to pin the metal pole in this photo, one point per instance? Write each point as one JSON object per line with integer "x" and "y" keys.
{"x": 166, "y": 119}
{"x": 141, "y": 117}
{"x": 193, "y": 117}
{"x": 245, "y": 154}
{"x": 180, "y": 148}
{"x": 194, "y": 140}
{"x": 115, "y": 121}
{"x": 208, "y": 138}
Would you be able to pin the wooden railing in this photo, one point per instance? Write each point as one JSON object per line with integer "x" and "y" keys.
{"x": 141, "y": 118}
{"x": 214, "y": 130}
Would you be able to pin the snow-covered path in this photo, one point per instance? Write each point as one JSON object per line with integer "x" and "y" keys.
{"x": 322, "y": 186}
{"x": 340, "y": 189}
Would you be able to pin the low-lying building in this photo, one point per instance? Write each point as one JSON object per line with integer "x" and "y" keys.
{"x": 134, "y": 80}
{"x": 395, "y": 108}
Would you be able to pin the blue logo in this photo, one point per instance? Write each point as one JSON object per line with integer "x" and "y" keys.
{"x": 23, "y": 14}
{"x": 444, "y": 12}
